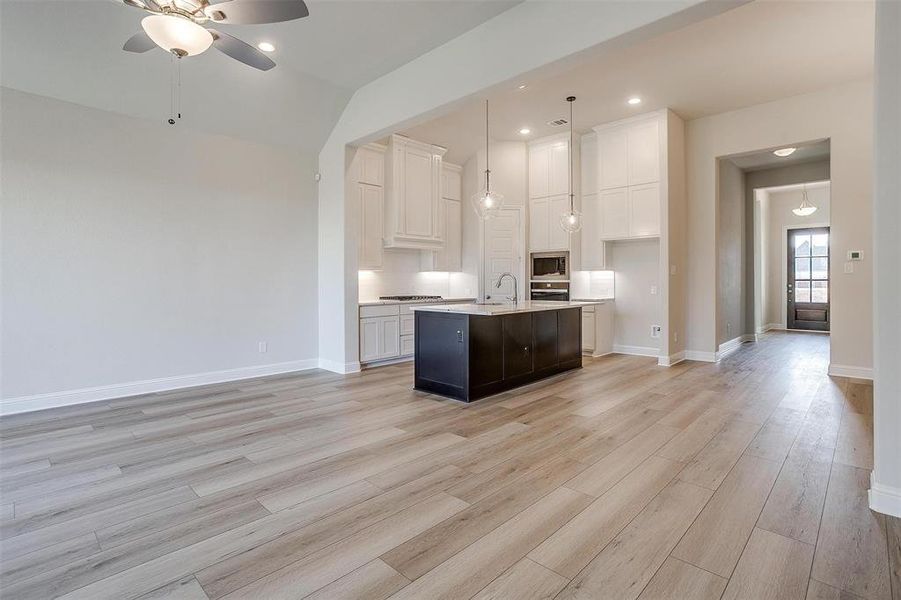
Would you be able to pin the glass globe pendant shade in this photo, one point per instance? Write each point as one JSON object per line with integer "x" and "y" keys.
{"x": 178, "y": 35}
{"x": 487, "y": 204}
{"x": 571, "y": 221}
{"x": 806, "y": 209}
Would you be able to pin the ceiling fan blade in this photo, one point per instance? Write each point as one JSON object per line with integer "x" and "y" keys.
{"x": 139, "y": 42}
{"x": 241, "y": 51}
{"x": 251, "y": 12}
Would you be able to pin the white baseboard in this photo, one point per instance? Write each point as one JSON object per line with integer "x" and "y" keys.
{"x": 339, "y": 367}
{"x": 729, "y": 347}
{"x": 22, "y": 404}
{"x": 672, "y": 359}
{"x": 700, "y": 355}
{"x": 636, "y": 350}
{"x": 770, "y": 326}
{"x": 884, "y": 499}
{"x": 388, "y": 361}
{"x": 851, "y": 371}
{"x": 749, "y": 337}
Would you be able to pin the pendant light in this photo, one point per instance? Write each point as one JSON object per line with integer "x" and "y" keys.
{"x": 487, "y": 203}
{"x": 806, "y": 209}
{"x": 571, "y": 220}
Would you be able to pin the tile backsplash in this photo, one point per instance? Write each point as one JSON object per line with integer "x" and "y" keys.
{"x": 592, "y": 284}
{"x": 400, "y": 275}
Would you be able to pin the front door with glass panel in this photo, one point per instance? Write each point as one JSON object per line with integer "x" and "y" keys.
{"x": 808, "y": 279}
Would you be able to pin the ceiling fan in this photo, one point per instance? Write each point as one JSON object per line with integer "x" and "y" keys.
{"x": 179, "y": 26}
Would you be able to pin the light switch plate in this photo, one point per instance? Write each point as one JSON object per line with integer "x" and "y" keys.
{"x": 849, "y": 267}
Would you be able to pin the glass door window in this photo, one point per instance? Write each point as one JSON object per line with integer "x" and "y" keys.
{"x": 808, "y": 279}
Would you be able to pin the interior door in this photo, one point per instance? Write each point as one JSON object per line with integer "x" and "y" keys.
{"x": 503, "y": 235}
{"x": 807, "y": 293}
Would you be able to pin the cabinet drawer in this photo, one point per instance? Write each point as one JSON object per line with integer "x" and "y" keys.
{"x": 407, "y": 322}
{"x": 379, "y": 310}
{"x": 406, "y": 345}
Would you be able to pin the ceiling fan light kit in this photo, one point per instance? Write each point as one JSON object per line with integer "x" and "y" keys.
{"x": 178, "y": 35}
{"x": 178, "y": 26}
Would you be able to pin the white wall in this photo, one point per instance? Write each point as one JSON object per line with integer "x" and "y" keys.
{"x": 885, "y": 489}
{"x": 636, "y": 266}
{"x": 842, "y": 114}
{"x": 730, "y": 249}
{"x": 779, "y": 219}
{"x": 134, "y": 251}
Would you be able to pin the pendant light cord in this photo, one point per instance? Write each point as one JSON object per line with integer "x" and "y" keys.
{"x": 487, "y": 170}
{"x": 572, "y": 194}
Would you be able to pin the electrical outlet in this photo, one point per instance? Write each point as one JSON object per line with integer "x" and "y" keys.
{"x": 675, "y": 336}
{"x": 728, "y": 328}
{"x": 653, "y": 290}
{"x": 263, "y": 347}
{"x": 655, "y": 331}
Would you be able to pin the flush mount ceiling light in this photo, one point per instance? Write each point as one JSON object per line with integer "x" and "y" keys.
{"x": 783, "y": 152}
{"x": 177, "y": 34}
{"x": 525, "y": 131}
{"x": 806, "y": 209}
{"x": 487, "y": 203}
{"x": 522, "y": 86}
{"x": 571, "y": 220}
{"x": 266, "y": 47}
{"x": 634, "y": 100}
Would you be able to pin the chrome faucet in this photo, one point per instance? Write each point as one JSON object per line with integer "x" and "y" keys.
{"x": 500, "y": 280}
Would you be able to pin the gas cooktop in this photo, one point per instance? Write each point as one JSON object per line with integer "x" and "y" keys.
{"x": 412, "y": 298}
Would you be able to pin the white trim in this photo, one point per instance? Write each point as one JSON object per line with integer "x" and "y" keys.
{"x": 749, "y": 337}
{"x": 776, "y": 326}
{"x": 672, "y": 359}
{"x": 636, "y": 350}
{"x": 729, "y": 347}
{"x": 22, "y": 404}
{"x": 851, "y": 371}
{"x": 700, "y": 355}
{"x": 338, "y": 367}
{"x": 884, "y": 499}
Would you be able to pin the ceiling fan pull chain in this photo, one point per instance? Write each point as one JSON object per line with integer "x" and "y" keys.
{"x": 178, "y": 89}
{"x": 172, "y": 90}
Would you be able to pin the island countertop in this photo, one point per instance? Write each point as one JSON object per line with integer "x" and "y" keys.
{"x": 504, "y": 308}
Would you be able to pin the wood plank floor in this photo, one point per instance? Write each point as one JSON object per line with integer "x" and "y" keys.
{"x": 623, "y": 480}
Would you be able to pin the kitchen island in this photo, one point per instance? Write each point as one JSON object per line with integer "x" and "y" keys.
{"x": 469, "y": 351}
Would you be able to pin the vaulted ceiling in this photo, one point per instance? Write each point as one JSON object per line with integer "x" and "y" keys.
{"x": 72, "y": 50}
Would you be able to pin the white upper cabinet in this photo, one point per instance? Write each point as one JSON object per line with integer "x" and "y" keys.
{"x": 549, "y": 193}
{"x": 558, "y": 169}
{"x": 539, "y": 171}
{"x": 593, "y": 250}
{"x": 450, "y": 223}
{"x": 372, "y": 210}
{"x": 644, "y": 153}
{"x": 369, "y": 169}
{"x": 630, "y": 159}
{"x": 413, "y": 194}
{"x": 371, "y": 165}
{"x": 612, "y": 167}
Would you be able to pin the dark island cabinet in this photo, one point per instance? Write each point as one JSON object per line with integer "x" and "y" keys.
{"x": 467, "y": 357}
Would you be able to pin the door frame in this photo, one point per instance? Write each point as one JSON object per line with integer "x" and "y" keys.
{"x": 784, "y": 292}
{"x": 523, "y": 253}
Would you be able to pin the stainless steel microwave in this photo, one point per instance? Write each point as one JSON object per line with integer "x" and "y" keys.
{"x": 550, "y": 266}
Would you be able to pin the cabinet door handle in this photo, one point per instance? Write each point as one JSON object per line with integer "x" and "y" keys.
{"x": 525, "y": 349}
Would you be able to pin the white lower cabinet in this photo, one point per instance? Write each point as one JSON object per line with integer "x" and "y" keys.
{"x": 387, "y": 331}
{"x": 597, "y": 329}
{"x": 379, "y": 338}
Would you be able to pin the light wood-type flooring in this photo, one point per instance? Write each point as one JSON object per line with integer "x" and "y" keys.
{"x": 622, "y": 480}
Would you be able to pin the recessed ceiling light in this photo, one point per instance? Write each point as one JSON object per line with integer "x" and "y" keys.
{"x": 266, "y": 47}
{"x": 525, "y": 131}
{"x": 783, "y": 152}
{"x": 634, "y": 100}
{"x": 522, "y": 86}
